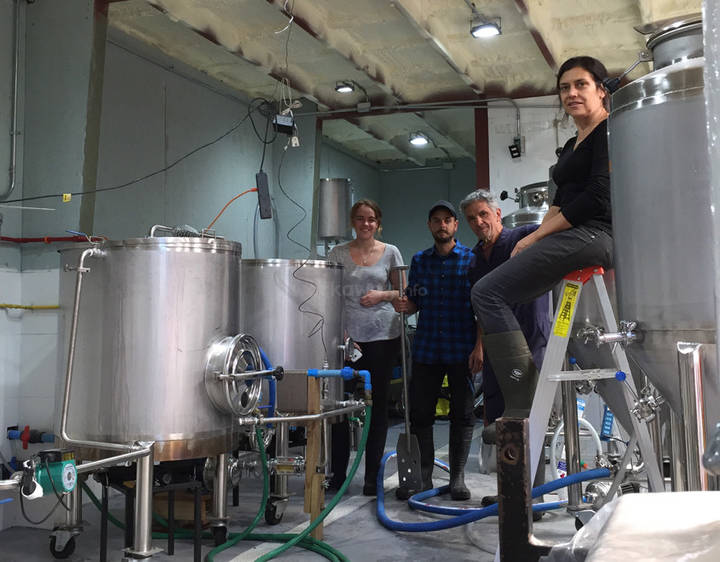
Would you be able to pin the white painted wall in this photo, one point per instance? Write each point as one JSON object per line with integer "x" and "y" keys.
{"x": 542, "y": 137}
{"x": 10, "y": 341}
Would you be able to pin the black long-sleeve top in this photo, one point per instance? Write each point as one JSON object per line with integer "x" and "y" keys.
{"x": 583, "y": 179}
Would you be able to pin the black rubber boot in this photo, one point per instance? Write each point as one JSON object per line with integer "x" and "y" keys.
{"x": 460, "y": 441}
{"x": 516, "y": 374}
{"x": 427, "y": 461}
{"x": 489, "y": 500}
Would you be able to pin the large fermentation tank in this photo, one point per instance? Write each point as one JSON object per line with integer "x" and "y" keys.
{"x": 150, "y": 311}
{"x": 294, "y": 309}
{"x": 662, "y": 217}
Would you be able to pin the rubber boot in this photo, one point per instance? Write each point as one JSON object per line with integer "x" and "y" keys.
{"x": 427, "y": 461}
{"x": 516, "y": 374}
{"x": 460, "y": 442}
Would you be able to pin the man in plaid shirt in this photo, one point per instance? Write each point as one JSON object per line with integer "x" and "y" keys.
{"x": 445, "y": 344}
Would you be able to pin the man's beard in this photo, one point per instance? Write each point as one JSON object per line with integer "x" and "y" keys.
{"x": 442, "y": 239}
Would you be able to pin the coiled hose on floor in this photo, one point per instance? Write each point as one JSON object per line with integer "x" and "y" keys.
{"x": 467, "y": 515}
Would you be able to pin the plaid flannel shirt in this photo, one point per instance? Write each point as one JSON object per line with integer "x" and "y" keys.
{"x": 440, "y": 288}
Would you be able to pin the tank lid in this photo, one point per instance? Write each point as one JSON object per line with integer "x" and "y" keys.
{"x": 278, "y": 262}
{"x": 659, "y": 27}
{"x": 171, "y": 243}
{"x": 683, "y": 28}
{"x": 535, "y": 185}
{"x": 678, "y": 80}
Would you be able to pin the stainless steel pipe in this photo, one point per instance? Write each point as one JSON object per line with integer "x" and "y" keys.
{"x": 81, "y": 270}
{"x": 677, "y": 451}
{"x": 141, "y": 453}
{"x": 12, "y": 171}
{"x": 12, "y": 483}
{"x": 693, "y": 413}
{"x": 93, "y": 466}
{"x": 73, "y": 516}
{"x": 282, "y": 449}
{"x": 252, "y": 420}
{"x": 142, "y": 542}
{"x": 572, "y": 442}
{"x": 220, "y": 491}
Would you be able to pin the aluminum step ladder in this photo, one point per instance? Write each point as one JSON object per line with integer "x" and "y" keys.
{"x": 617, "y": 392}
{"x": 618, "y": 388}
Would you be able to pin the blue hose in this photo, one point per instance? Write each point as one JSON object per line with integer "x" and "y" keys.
{"x": 271, "y": 382}
{"x": 471, "y": 515}
{"x": 416, "y": 502}
{"x": 6, "y": 500}
{"x": 346, "y": 373}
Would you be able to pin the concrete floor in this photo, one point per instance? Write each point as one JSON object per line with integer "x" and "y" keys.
{"x": 351, "y": 528}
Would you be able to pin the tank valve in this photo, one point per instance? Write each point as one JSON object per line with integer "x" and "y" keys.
{"x": 647, "y": 404}
{"x": 627, "y": 333}
{"x": 287, "y": 465}
{"x": 348, "y": 348}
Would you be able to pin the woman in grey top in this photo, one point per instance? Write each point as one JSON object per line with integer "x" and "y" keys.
{"x": 373, "y": 324}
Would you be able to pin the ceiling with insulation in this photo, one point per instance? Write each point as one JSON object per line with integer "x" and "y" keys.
{"x": 394, "y": 53}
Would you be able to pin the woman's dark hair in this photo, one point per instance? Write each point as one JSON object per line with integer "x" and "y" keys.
{"x": 596, "y": 69}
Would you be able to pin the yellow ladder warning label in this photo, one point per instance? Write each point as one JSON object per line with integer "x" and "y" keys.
{"x": 566, "y": 309}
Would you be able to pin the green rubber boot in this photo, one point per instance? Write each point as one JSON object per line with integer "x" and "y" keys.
{"x": 516, "y": 374}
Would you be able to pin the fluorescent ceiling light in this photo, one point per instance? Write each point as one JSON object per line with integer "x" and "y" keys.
{"x": 418, "y": 139}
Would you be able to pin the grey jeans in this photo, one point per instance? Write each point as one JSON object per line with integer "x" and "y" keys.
{"x": 535, "y": 271}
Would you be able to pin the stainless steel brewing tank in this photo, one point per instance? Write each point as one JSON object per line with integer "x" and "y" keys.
{"x": 149, "y": 312}
{"x": 294, "y": 310}
{"x": 533, "y": 201}
{"x": 662, "y": 221}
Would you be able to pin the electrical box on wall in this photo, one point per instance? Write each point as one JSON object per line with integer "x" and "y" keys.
{"x": 517, "y": 148}
{"x": 284, "y": 124}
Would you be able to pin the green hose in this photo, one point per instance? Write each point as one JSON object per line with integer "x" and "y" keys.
{"x": 236, "y": 538}
{"x": 182, "y": 533}
{"x": 290, "y": 539}
{"x": 309, "y": 543}
{"x": 336, "y": 499}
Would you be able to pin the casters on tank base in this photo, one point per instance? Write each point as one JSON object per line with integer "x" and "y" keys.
{"x": 219, "y": 534}
{"x": 275, "y": 510}
{"x": 59, "y": 550}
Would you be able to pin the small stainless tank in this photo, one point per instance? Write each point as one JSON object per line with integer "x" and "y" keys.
{"x": 334, "y": 202}
{"x": 150, "y": 312}
{"x": 294, "y": 310}
{"x": 533, "y": 202}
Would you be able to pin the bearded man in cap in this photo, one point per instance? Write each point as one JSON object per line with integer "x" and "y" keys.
{"x": 445, "y": 344}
